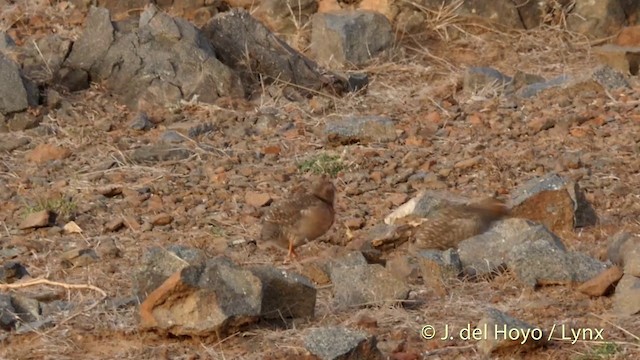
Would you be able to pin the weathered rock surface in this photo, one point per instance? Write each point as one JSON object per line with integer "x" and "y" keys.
{"x": 285, "y": 294}
{"x": 251, "y": 49}
{"x": 349, "y": 37}
{"x": 365, "y": 285}
{"x": 339, "y": 343}
{"x": 214, "y": 298}
{"x": 494, "y": 342}
{"x": 557, "y": 203}
{"x": 360, "y": 129}
{"x": 626, "y": 299}
{"x": 603, "y": 283}
{"x": 159, "y": 263}
{"x": 490, "y": 252}
{"x": 540, "y": 262}
{"x": 160, "y": 61}
{"x": 17, "y": 92}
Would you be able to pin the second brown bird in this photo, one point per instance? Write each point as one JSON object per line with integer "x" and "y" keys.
{"x": 451, "y": 224}
{"x": 302, "y": 218}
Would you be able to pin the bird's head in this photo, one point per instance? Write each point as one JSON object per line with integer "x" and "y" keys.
{"x": 324, "y": 189}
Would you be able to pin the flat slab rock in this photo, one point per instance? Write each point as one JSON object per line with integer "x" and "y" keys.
{"x": 541, "y": 263}
{"x": 339, "y": 343}
{"x": 365, "y": 285}
{"x": 536, "y": 255}
{"x": 215, "y": 298}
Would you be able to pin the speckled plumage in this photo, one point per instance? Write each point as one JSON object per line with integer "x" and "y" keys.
{"x": 303, "y": 218}
{"x": 454, "y": 223}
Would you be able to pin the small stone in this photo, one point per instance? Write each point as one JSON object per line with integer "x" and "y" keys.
{"x": 172, "y": 137}
{"x": 79, "y": 257}
{"x": 12, "y": 271}
{"x": 36, "y": 220}
{"x": 114, "y": 225}
{"x": 47, "y": 152}
{"x": 161, "y": 152}
{"x": 161, "y": 219}
{"x": 360, "y": 129}
{"x": 110, "y": 190}
{"x": 336, "y": 343}
{"x": 354, "y": 223}
{"x": 107, "y": 248}
{"x": 141, "y": 122}
{"x": 72, "y": 228}
{"x": 603, "y": 283}
{"x": 257, "y": 199}
{"x": 492, "y": 342}
{"x": 468, "y": 163}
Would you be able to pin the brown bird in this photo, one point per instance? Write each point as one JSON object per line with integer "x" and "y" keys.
{"x": 305, "y": 217}
{"x": 451, "y": 224}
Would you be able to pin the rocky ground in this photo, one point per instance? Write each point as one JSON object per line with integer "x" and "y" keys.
{"x": 201, "y": 177}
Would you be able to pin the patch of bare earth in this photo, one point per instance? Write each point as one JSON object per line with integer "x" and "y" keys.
{"x": 438, "y": 126}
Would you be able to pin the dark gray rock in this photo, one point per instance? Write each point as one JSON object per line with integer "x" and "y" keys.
{"x": 12, "y": 271}
{"x": 159, "y": 263}
{"x": 612, "y": 79}
{"x": 162, "y": 61}
{"x": 42, "y": 59}
{"x": 17, "y": 92}
{"x": 285, "y": 294}
{"x": 354, "y": 258}
{"x": 8, "y": 316}
{"x": 214, "y": 298}
{"x": 339, "y": 343}
{"x": 141, "y": 122}
{"x": 541, "y": 262}
{"x": 6, "y": 42}
{"x": 486, "y": 80}
{"x": 490, "y": 252}
{"x": 94, "y": 42}
{"x": 160, "y": 152}
{"x": 350, "y": 37}
{"x": 534, "y": 89}
{"x": 27, "y": 309}
{"x": 172, "y": 137}
{"x": 360, "y": 129}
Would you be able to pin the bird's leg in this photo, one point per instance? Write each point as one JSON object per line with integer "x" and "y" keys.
{"x": 291, "y": 255}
